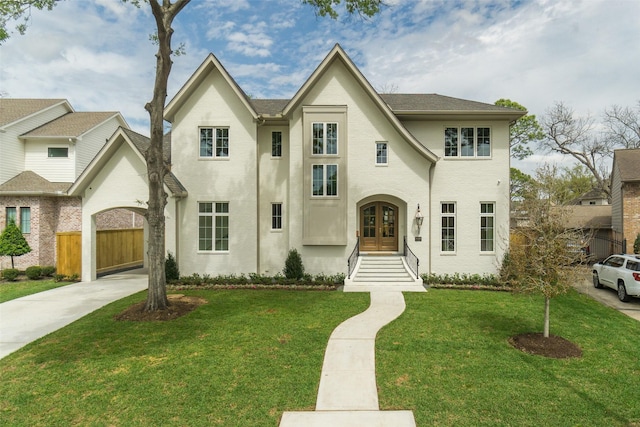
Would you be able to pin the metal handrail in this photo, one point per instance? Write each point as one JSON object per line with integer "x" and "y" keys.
{"x": 412, "y": 260}
{"x": 353, "y": 258}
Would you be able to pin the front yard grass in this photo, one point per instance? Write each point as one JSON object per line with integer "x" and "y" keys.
{"x": 13, "y": 290}
{"x": 247, "y": 356}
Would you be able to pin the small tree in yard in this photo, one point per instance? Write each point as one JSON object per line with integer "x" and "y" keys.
{"x": 13, "y": 243}
{"x": 293, "y": 267}
{"x": 541, "y": 263}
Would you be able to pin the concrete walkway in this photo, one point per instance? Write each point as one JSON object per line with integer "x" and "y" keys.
{"x": 348, "y": 394}
{"x": 609, "y": 297}
{"x": 26, "y": 319}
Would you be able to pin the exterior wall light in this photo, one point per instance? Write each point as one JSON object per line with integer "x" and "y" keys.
{"x": 419, "y": 218}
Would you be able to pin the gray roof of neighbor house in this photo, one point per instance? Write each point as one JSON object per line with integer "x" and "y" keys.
{"x": 12, "y": 110}
{"x": 628, "y": 162}
{"x": 402, "y": 103}
{"x": 588, "y": 216}
{"x": 71, "y": 125}
{"x": 29, "y": 182}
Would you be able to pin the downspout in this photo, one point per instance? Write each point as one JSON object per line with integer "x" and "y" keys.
{"x": 430, "y": 215}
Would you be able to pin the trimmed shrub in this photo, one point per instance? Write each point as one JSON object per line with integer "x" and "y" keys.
{"x": 293, "y": 267}
{"x": 59, "y": 277}
{"x": 34, "y": 272}
{"x": 48, "y": 270}
{"x": 10, "y": 274}
{"x": 636, "y": 245}
{"x": 171, "y": 271}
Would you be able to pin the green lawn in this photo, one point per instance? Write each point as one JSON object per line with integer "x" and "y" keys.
{"x": 13, "y": 290}
{"x": 248, "y": 356}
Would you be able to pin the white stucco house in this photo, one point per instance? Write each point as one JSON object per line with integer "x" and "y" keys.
{"x": 336, "y": 165}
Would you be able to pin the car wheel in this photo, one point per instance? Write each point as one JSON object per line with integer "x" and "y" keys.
{"x": 622, "y": 293}
{"x": 596, "y": 281}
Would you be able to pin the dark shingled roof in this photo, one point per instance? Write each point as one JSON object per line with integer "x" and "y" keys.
{"x": 628, "y": 162}
{"x": 70, "y": 125}
{"x": 16, "y": 109}
{"x": 142, "y": 144}
{"x": 29, "y": 182}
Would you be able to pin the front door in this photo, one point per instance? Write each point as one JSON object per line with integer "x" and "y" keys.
{"x": 378, "y": 227}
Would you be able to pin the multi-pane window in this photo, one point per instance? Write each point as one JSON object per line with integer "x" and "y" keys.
{"x": 276, "y": 144}
{"x": 58, "y": 151}
{"x": 448, "y": 222}
{"x": 12, "y": 215}
{"x": 213, "y": 226}
{"x": 276, "y": 216}
{"x": 214, "y": 142}
{"x": 324, "y": 181}
{"x": 381, "y": 153}
{"x": 324, "y": 138}
{"x": 487, "y": 227}
{"x": 25, "y": 220}
{"x": 467, "y": 142}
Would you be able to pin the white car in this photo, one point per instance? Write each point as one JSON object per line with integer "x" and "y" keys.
{"x": 619, "y": 272}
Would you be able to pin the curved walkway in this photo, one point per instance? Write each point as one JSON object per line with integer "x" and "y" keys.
{"x": 26, "y": 319}
{"x": 348, "y": 394}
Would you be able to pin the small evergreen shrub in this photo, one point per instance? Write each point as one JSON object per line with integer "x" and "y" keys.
{"x": 34, "y": 272}
{"x": 48, "y": 270}
{"x": 59, "y": 277}
{"x": 10, "y": 274}
{"x": 293, "y": 267}
{"x": 171, "y": 270}
{"x": 636, "y": 245}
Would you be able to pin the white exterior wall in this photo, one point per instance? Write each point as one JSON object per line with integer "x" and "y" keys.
{"x": 12, "y": 154}
{"x": 232, "y": 179}
{"x": 467, "y": 183}
{"x": 54, "y": 169}
{"x": 92, "y": 141}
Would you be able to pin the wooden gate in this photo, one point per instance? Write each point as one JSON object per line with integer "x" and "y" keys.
{"x": 115, "y": 249}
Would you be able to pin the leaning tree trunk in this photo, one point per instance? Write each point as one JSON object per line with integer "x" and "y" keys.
{"x": 547, "y": 301}
{"x": 156, "y": 166}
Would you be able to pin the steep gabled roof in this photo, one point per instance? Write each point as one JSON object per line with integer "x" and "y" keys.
{"x": 439, "y": 104}
{"x": 628, "y": 164}
{"x": 140, "y": 145}
{"x": 72, "y": 125}
{"x": 15, "y": 109}
{"x": 30, "y": 183}
{"x": 210, "y": 63}
{"x": 338, "y": 54}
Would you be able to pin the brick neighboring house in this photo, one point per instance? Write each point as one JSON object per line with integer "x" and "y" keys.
{"x": 625, "y": 195}
{"x": 44, "y": 146}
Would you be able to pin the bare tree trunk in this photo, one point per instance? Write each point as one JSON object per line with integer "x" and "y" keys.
{"x": 547, "y": 302}
{"x": 156, "y": 167}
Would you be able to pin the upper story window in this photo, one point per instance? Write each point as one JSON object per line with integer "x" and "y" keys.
{"x": 276, "y": 144}
{"x": 325, "y": 138}
{"x": 467, "y": 142}
{"x": 214, "y": 142}
{"x": 58, "y": 152}
{"x": 382, "y": 157}
{"x": 324, "y": 181}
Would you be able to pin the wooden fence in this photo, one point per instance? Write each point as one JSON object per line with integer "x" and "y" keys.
{"x": 115, "y": 249}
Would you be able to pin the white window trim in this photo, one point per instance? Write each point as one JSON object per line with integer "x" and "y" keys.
{"x": 487, "y": 215}
{"x": 213, "y": 216}
{"x": 324, "y": 139}
{"x": 324, "y": 181}
{"x": 386, "y": 163}
{"x": 475, "y": 156}
{"x": 277, "y": 230}
{"x": 214, "y": 155}
{"x": 455, "y": 227}
{"x": 280, "y": 156}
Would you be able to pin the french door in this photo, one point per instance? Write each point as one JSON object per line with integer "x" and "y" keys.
{"x": 378, "y": 227}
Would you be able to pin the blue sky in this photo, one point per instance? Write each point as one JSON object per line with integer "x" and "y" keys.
{"x": 96, "y": 53}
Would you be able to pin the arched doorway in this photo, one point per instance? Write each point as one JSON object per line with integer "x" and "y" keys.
{"x": 378, "y": 227}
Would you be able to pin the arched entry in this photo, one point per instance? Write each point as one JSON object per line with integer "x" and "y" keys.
{"x": 378, "y": 227}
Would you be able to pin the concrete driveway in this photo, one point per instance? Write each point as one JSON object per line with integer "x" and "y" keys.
{"x": 609, "y": 297}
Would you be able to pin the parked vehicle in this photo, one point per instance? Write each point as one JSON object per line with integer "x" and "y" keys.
{"x": 619, "y": 272}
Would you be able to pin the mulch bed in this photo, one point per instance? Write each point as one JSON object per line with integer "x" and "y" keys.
{"x": 179, "y": 305}
{"x": 554, "y": 346}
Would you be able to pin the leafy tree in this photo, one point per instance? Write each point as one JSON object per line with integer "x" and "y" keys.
{"x": 164, "y": 12}
{"x": 525, "y": 130}
{"x": 13, "y": 243}
{"x": 564, "y": 184}
{"x": 20, "y": 12}
{"x": 521, "y": 184}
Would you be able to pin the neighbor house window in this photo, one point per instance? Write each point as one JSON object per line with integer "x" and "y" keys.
{"x": 381, "y": 153}
{"x": 213, "y": 226}
{"x": 276, "y": 144}
{"x": 325, "y": 138}
{"x": 276, "y": 216}
{"x": 487, "y": 224}
{"x": 467, "y": 142}
{"x": 25, "y": 220}
{"x": 214, "y": 142}
{"x": 11, "y": 216}
{"x": 58, "y": 152}
{"x": 324, "y": 181}
{"x": 448, "y": 221}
